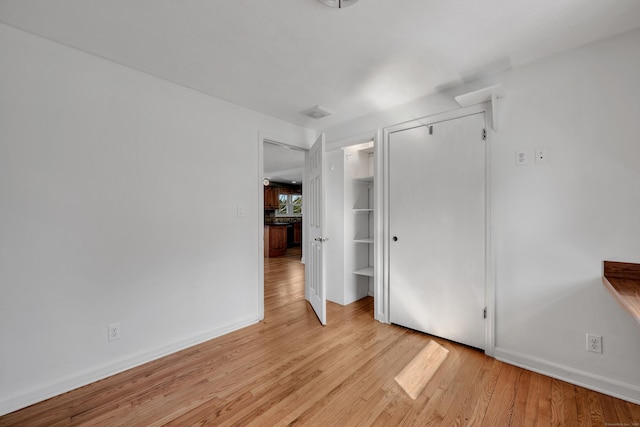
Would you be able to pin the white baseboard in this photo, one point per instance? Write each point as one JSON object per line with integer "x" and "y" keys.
{"x": 611, "y": 387}
{"x": 64, "y": 385}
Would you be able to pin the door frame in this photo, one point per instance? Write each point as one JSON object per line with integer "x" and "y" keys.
{"x": 379, "y": 298}
{"x": 489, "y": 282}
{"x": 262, "y": 138}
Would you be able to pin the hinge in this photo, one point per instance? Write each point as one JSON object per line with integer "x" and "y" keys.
{"x": 484, "y": 134}
{"x": 484, "y": 313}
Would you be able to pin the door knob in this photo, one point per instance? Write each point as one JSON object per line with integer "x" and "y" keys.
{"x": 321, "y": 239}
{"x": 395, "y": 238}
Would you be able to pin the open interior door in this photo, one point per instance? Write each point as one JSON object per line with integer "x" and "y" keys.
{"x": 315, "y": 198}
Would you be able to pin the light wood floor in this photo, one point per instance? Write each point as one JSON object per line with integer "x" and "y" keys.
{"x": 289, "y": 370}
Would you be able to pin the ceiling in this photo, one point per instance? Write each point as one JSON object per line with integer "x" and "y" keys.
{"x": 280, "y": 57}
{"x": 283, "y": 164}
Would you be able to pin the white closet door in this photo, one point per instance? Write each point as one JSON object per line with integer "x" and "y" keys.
{"x": 437, "y": 229}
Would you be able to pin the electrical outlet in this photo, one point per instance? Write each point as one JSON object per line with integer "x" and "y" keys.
{"x": 542, "y": 155}
{"x": 594, "y": 343}
{"x": 521, "y": 158}
{"x": 114, "y": 331}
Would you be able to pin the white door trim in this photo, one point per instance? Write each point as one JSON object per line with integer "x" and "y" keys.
{"x": 383, "y": 248}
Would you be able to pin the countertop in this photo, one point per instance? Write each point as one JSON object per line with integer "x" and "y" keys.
{"x": 622, "y": 280}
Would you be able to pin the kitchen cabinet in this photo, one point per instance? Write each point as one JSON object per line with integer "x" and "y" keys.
{"x": 271, "y": 198}
{"x": 297, "y": 233}
{"x": 275, "y": 240}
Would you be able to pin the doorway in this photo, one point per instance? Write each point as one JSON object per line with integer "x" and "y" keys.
{"x": 282, "y": 175}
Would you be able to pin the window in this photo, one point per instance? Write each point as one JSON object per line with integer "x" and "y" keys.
{"x": 296, "y": 204}
{"x": 289, "y": 205}
{"x": 283, "y": 207}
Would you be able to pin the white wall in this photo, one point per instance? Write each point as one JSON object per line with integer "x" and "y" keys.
{"x": 115, "y": 208}
{"x": 555, "y": 223}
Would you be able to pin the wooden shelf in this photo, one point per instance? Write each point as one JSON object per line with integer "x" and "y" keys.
{"x": 367, "y": 271}
{"x": 622, "y": 280}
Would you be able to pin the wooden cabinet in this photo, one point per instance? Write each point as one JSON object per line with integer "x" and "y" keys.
{"x": 271, "y": 197}
{"x": 275, "y": 240}
{"x": 297, "y": 233}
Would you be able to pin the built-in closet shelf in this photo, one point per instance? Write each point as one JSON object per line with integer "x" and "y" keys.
{"x": 350, "y": 200}
{"x": 363, "y": 215}
{"x": 368, "y": 240}
{"x": 367, "y": 271}
{"x": 367, "y": 150}
{"x": 622, "y": 280}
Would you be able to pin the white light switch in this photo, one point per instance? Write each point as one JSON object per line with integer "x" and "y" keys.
{"x": 240, "y": 211}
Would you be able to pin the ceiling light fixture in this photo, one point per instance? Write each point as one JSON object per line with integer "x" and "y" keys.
{"x": 338, "y": 3}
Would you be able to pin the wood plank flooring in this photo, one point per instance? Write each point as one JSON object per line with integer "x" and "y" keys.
{"x": 289, "y": 370}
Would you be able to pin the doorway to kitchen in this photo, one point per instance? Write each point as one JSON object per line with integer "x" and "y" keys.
{"x": 283, "y": 241}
